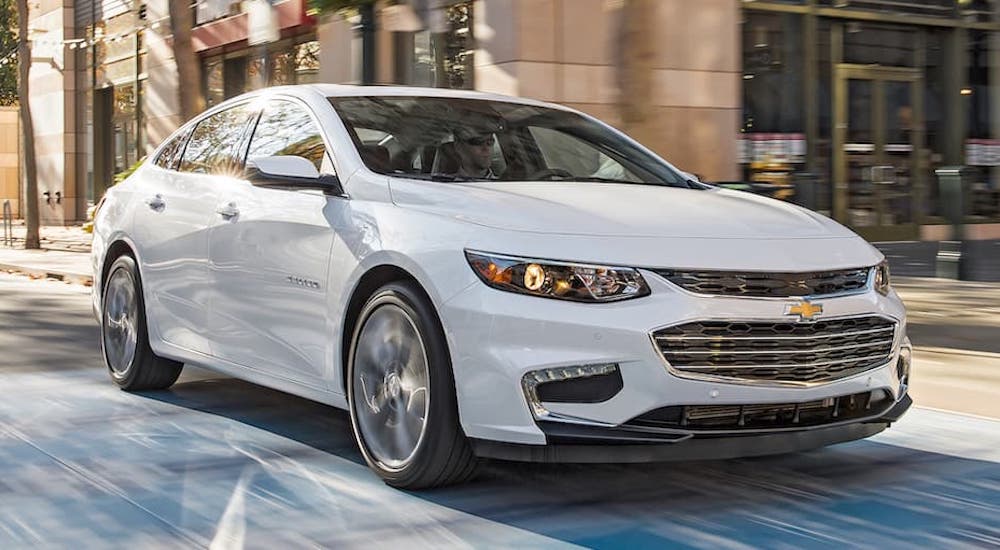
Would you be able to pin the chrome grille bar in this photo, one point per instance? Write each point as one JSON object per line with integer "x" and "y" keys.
{"x": 781, "y": 366}
{"x": 724, "y": 338}
{"x": 777, "y": 352}
{"x": 765, "y": 351}
{"x": 769, "y": 285}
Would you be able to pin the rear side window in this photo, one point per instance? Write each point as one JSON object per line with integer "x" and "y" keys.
{"x": 214, "y": 142}
{"x": 170, "y": 155}
{"x": 285, "y": 128}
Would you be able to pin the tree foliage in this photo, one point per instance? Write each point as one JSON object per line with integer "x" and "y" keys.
{"x": 8, "y": 44}
{"x": 333, "y": 6}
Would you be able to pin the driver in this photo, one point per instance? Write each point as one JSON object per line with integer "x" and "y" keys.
{"x": 475, "y": 153}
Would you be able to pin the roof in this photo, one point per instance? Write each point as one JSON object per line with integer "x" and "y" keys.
{"x": 346, "y": 90}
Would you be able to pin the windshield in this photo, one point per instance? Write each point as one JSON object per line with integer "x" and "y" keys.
{"x": 459, "y": 139}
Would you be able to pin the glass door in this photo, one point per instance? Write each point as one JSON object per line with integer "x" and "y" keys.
{"x": 877, "y": 139}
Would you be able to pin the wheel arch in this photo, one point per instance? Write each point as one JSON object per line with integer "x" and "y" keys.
{"x": 118, "y": 248}
{"x": 373, "y": 279}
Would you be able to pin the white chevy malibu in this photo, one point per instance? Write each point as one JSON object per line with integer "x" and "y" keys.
{"x": 473, "y": 275}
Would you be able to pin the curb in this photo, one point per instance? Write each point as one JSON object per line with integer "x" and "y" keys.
{"x": 954, "y": 351}
{"x": 76, "y": 278}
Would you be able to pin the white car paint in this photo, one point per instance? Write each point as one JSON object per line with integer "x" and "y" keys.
{"x": 219, "y": 294}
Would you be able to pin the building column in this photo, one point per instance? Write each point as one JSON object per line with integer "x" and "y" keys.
{"x": 53, "y": 110}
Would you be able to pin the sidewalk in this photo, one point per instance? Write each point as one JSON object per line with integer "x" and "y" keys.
{"x": 65, "y": 254}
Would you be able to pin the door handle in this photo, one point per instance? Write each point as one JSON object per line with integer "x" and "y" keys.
{"x": 156, "y": 202}
{"x": 228, "y": 210}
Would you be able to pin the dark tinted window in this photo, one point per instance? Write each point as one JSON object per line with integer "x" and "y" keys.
{"x": 213, "y": 143}
{"x": 171, "y": 152}
{"x": 286, "y": 128}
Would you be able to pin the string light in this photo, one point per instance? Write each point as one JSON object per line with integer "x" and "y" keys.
{"x": 80, "y": 43}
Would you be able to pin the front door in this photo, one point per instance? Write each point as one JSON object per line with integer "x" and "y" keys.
{"x": 269, "y": 253}
{"x": 877, "y": 140}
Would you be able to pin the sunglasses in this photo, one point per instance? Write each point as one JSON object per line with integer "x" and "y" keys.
{"x": 479, "y": 141}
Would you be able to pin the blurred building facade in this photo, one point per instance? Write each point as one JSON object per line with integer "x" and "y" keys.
{"x": 847, "y": 106}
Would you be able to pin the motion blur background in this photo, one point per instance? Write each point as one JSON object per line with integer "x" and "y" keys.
{"x": 845, "y": 106}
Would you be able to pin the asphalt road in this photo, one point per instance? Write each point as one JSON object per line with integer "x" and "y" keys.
{"x": 220, "y": 463}
{"x": 919, "y": 259}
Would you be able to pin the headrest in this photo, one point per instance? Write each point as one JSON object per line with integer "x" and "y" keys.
{"x": 376, "y": 157}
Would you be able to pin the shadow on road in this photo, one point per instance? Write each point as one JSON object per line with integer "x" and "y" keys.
{"x": 866, "y": 492}
{"x": 43, "y": 331}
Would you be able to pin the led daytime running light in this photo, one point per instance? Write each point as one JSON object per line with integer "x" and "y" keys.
{"x": 882, "y": 279}
{"x": 532, "y": 379}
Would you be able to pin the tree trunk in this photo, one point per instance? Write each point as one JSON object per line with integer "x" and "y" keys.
{"x": 638, "y": 55}
{"x": 189, "y": 88}
{"x": 31, "y": 239}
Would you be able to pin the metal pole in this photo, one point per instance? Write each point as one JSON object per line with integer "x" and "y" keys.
{"x": 950, "y": 262}
{"x": 368, "y": 43}
{"x": 8, "y": 229}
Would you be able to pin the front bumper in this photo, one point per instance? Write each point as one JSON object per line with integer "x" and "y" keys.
{"x": 584, "y": 444}
{"x": 496, "y": 337}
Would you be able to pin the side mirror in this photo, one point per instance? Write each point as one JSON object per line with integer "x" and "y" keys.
{"x": 290, "y": 172}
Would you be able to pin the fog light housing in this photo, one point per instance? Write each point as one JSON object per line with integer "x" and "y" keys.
{"x": 573, "y": 384}
{"x": 903, "y": 368}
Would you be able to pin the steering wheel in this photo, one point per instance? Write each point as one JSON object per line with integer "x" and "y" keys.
{"x": 548, "y": 173}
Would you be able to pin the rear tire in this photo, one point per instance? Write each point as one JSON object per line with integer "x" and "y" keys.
{"x": 401, "y": 393}
{"x": 124, "y": 335}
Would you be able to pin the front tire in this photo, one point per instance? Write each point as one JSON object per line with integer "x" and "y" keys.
{"x": 401, "y": 393}
{"x": 124, "y": 335}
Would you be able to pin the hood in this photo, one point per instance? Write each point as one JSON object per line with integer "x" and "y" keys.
{"x": 615, "y": 210}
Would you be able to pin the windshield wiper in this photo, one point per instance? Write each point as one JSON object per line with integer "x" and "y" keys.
{"x": 435, "y": 176}
{"x": 599, "y": 179}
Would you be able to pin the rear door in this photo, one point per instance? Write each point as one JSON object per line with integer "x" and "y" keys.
{"x": 270, "y": 258}
{"x": 171, "y": 228}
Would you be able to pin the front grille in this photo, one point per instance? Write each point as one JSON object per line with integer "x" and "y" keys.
{"x": 777, "y": 352}
{"x": 774, "y": 416}
{"x": 768, "y": 285}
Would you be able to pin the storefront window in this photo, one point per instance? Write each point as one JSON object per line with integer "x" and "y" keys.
{"x": 215, "y": 92}
{"x": 868, "y": 44}
{"x": 977, "y": 92}
{"x": 936, "y": 94}
{"x": 277, "y": 64}
{"x": 256, "y": 73}
{"x": 438, "y": 59}
{"x": 123, "y": 127}
{"x": 927, "y": 8}
{"x": 234, "y": 74}
{"x": 982, "y": 150}
{"x": 281, "y": 68}
{"x": 773, "y": 133}
{"x": 307, "y": 62}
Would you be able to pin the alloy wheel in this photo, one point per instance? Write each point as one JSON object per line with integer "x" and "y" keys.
{"x": 390, "y": 386}
{"x": 121, "y": 314}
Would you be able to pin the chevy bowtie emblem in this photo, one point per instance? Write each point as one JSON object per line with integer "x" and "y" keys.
{"x": 805, "y": 310}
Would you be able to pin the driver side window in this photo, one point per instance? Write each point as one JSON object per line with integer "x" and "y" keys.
{"x": 286, "y": 128}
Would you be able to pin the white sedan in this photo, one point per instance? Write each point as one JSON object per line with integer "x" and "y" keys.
{"x": 474, "y": 275}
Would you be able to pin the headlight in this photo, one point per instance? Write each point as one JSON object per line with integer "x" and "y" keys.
{"x": 559, "y": 280}
{"x": 882, "y": 278}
